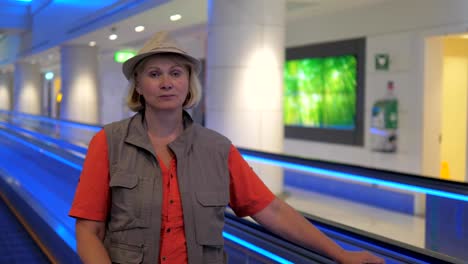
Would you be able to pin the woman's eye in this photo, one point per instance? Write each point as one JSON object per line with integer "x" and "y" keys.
{"x": 154, "y": 74}
{"x": 176, "y": 73}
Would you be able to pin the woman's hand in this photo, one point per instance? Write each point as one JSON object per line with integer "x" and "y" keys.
{"x": 358, "y": 257}
{"x": 282, "y": 219}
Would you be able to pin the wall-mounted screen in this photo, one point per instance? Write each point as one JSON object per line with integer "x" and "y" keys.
{"x": 324, "y": 92}
{"x": 321, "y": 92}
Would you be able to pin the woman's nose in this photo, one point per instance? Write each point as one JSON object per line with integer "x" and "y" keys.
{"x": 166, "y": 83}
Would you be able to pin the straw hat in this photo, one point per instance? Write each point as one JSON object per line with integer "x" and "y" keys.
{"x": 161, "y": 42}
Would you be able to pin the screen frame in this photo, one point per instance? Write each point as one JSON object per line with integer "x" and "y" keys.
{"x": 356, "y": 47}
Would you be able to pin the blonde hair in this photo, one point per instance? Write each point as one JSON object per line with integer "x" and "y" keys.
{"x": 137, "y": 103}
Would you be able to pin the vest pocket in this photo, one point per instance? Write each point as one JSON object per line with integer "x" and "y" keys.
{"x": 126, "y": 202}
{"x": 209, "y": 217}
{"x": 209, "y": 224}
{"x": 122, "y": 253}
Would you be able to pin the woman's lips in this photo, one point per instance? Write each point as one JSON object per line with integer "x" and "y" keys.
{"x": 167, "y": 97}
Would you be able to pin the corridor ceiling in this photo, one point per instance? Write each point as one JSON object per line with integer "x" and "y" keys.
{"x": 82, "y": 21}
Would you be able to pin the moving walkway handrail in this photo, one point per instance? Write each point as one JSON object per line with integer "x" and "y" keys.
{"x": 13, "y": 114}
{"x": 372, "y": 173}
{"x": 378, "y": 244}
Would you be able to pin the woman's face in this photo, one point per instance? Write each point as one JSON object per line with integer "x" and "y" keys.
{"x": 163, "y": 83}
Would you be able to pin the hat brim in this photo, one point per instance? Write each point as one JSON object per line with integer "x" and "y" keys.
{"x": 129, "y": 65}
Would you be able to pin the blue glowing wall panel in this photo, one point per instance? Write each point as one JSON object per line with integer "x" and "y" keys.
{"x": 357, "y": 192}
{"x": 447, "y": 226}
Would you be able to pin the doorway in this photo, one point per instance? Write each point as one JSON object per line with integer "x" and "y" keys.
{"x": 445, "y": 107}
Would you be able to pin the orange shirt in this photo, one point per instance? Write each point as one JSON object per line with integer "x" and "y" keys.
{"x": 172, "y": 248}
{"x": 248, "y": 195}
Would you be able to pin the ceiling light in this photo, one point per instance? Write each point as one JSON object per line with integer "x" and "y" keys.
{"x": 139, "y": 28}
{"x": 92, "y": 43}
{"x": 49, "y": 76}
{"x": 113, "y": 36}
{"x": 175, "y": 17}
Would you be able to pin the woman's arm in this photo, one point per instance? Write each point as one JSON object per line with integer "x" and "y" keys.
{"x": 89, "y": 237}
{"x": 285, "y": 221}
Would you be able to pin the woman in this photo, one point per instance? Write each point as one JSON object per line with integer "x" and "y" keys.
{"x": 154, "y": 187}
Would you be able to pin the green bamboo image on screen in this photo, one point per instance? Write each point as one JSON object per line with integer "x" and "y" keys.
{"x": 321, "y": 92}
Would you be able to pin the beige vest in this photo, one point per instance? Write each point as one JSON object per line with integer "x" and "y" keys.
{"x": 133, "y": 227}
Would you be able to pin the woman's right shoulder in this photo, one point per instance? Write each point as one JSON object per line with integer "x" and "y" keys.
{"x": 117, "y": 123}
{"x": 99, "y": 138}
{"x": 117, "y": 127}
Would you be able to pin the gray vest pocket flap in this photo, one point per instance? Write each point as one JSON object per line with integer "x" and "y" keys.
{"x": 122, "y": 253}
{"x": 122, "y": 179}
{"x": 209, "y": 217}
{"x": 126, "y": 202}
{"x": 212, "y": 198}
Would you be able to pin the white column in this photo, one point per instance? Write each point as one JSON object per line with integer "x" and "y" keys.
{"x": 244, "y": 90}
{"x": 6, "y": 91}
{"x": 80, "y": 89}
{"x": 113, "y": 89}
{"x": 27, "y": 88}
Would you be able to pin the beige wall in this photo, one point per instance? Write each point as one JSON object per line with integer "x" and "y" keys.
{"x": 432, "y": 117}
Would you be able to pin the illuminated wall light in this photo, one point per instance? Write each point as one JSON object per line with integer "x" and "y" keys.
{"x": 139, "y": 28}
{"x": 92, "y": 43}
{"x": 122, "y": 55}
{"x": 49, "y": 76}
{"x": 59, "y": 97}
{"x": 175, "y": 17}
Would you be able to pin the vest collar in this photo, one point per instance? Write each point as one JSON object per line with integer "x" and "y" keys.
{"x": 183, "y": 143}
{"x": 137, "y": 135}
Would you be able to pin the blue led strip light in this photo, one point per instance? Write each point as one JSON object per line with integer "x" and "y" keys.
{"x": 59, "y": 142}
{"x": 41, "y": 150}
{"x": 256, "y": 249}
{"x": 56, "y": 121}
{"x": 348, "y": 176}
